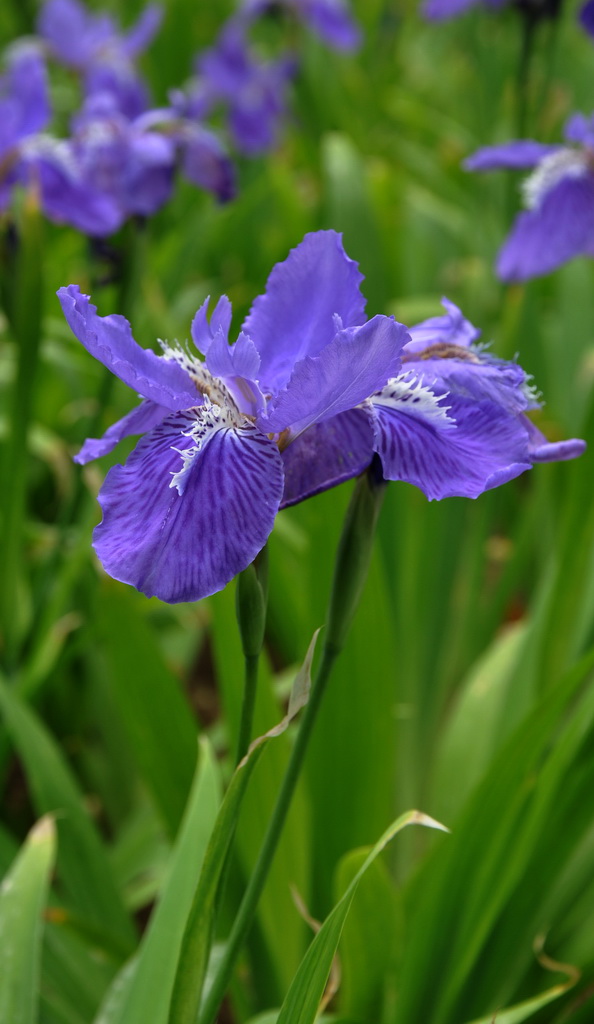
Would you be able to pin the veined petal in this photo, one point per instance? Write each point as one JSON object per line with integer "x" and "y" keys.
{"x": 516, "y": 155}
{"x": 356, "y": 363}
{"x": 327, "y": 454}
{"x": 144, "y": 417}
{"x": 295, "y": 316}
{"x": 561, "y": 227}
{"x": 109, "y": 339}
{"x": 191, "y": 508}
{"x": 446, "y": 445}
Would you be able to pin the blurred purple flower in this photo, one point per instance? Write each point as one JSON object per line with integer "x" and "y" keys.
{"x": 330, "y": 19}
{"x": 533, "y": 11}
{"x": 33, "y": 159}
{"x": 198, "y": 496}
{"x": 558, "y": 220}
{"x": 254, "y": 91}
{"x": 94, "y": 45}
{"x": 80, "y": 38}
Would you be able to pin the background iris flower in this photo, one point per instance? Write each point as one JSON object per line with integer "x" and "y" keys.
{"x": 558, "y": 221}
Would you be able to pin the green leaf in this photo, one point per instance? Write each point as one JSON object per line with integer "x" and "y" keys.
{"x": 306, "y": 991}
{"x": 22, "y": 899}
{"x": 142, "y": 990}
{"x": 193, "y": 961}
{"x": 154, "y": 713}
{"x": 370, "y": 940}
{"x": 83, "y": 866}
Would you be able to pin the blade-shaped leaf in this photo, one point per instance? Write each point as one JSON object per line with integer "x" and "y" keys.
{"x": 304, "y": 996}
{"x": 22, "y": 899}
{"x": 142, "y": 990}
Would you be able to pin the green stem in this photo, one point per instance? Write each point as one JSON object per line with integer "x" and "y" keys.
{"x": 350, "y": 573}
{"x": 529, "y": 24}
{"x": 23, "y": 300}
{"x": 247, "y": 707}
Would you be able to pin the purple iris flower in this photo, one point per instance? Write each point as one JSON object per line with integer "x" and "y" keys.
{"x": 253, "y": 90}
{"x": 558, "y": 220}
{"x": 301, "y": 401}
{"x": 35, "y": 160}
{"x": 532, "y": 10}
{"x": 197, "y": 498}
{"x": 94, "y": 45}
{"x": 467, "y": 428}
{"x": 133, "y": 162}
{"x": 330, "y": 19}
{"x": 79, "y": 38}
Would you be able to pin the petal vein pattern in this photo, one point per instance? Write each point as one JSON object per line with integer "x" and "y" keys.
{"x": 183, "y": 533}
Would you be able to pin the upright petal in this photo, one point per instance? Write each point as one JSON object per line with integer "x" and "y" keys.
{"x": 203, "y": 331}
{"x": 142, "y": 418}
{"x": 445, "y": 445}
{"x": 517, "y": 155}
{"x": 356, "y": 363}
{"x": 295, "y": 316}
{"x": 561, "y": 227}
{"x": 327, "y": 454}
{"x": 333, "y": 22}
{"x": 109, "y": 339}
{"x": 142, "y": 33}
{"x": 452, "y": 328}
{"x": 191, "y": 508}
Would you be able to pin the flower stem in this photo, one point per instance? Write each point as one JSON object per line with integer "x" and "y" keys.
{"x": 23, "y": 300}
{"x": 251, "y": 603}
{"x": 352, "y": 563}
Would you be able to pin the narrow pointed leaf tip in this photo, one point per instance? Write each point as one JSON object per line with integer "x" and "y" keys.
{"x": 302, "y": 1003}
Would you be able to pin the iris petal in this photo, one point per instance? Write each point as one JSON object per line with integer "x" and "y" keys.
{"x": 327, "y": 454}
{"x": 356, "y": 363}
{"x": 109, "y": 339}
{"x": 184, "y": 546}
{"x": 142, "y": 418}
{"x": 449, "y": 446}
{"x": 295, "y": 316}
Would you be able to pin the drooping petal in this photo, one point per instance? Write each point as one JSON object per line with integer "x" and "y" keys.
{"x": 24, "y": 95}
{"x": 295, "y": 316}
{"x": 445, "y": 445}
{"x": 561, "y": 227}
{"x": 519, "y": 154}
{"x": 142, "y": 418}
{"x": 181, "y": 526}
{"x": 327, "y": 454}
{"x": 542, "y": 450}
{"x": 109, "y": 339}
{"x": 452, "y": 328}
{"x": 356, "y": 363}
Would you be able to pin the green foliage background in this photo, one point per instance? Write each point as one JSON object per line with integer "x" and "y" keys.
{"x": 466, "y": 687}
